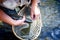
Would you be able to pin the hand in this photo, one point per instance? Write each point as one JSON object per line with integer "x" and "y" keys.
{"x": 7, "y": 19}
{"x": 35, "y": 12}
{"x": 21, "y": 22}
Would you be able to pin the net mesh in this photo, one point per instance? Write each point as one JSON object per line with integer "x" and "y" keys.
{"x": 30, "y": 30}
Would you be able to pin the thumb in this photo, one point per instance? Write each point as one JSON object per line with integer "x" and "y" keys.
{"x": 23, "y": 23}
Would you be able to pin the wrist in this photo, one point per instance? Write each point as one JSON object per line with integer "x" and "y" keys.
{"x": 14, "y": 23}
{"x": 34, "y": 5}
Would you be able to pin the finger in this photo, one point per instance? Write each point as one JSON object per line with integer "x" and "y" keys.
{"x": 36, "y": 17}
{"x": 23, "y": 18}
{"x": 23, "y": 23}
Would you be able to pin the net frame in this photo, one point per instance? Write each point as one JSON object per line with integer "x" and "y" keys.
{"x": 33, "y": 34}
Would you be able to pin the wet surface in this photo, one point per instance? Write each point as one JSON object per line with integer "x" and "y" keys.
{"x": 51, "y": 20}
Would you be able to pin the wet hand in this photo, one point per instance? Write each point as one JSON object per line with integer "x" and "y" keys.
{"x": 21, "y": 22}
{"x": 35, "y": 12}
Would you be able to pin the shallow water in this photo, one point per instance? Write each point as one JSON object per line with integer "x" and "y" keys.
{"x": 51, "y": 20}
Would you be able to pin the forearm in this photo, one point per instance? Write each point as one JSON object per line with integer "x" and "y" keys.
{"x": 34, "y": 2}
{"x": 5, "y": 18}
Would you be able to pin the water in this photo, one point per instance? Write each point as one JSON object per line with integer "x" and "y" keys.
{"x": 50, "y": 18}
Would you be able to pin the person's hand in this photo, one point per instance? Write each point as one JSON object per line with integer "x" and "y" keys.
{"x": 21, "y": 22}
{"x": 7, "y": 19}
{"x": 35, "y": 12}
